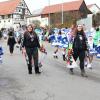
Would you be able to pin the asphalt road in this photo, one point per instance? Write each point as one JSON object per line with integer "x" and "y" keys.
{"x": 54, "y": 83}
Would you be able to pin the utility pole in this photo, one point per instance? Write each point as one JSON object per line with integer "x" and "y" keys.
{"x": 62, "y": 8}
{"x": 49, "y": 14}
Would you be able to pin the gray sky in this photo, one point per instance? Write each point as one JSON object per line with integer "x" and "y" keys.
{"x": 36, "y": 4}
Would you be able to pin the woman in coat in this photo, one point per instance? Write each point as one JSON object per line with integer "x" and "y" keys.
{"x": 79, "y": 48}
{"x": 30, "y": 48}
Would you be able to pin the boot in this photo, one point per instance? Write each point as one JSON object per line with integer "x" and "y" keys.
{"x": 64, "y": 57}
{"x": 83, "y": 74}
{"x": 29, "y": 69}
{"x": 37, "y": 70}
{"x": 71, "y": 71}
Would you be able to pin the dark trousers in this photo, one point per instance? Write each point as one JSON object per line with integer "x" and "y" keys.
{"x": 81, "y": 55}
{"x": 32, "y": 54}
{"x": 11, "y": 48}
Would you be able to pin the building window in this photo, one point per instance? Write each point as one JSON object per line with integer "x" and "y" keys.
{"x": 6, "y": 16}
{"x": 19, "y": 10}
{"x": 9, "y": 16}
{"x": 2, "y": 16}
{"x": 8, "y": 20}
{"x": 0, "y": 21}
{"x": 4, "y": 21}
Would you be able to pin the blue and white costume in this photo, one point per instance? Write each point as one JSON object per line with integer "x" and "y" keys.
{"x": 60, "y": 40}
{"x": 90, "y": 35}
{"x": 92, "y": 50}
{"x": 1, "y": 53}
{"x": 98, "y": 50}
{"x": 64, "y": 41}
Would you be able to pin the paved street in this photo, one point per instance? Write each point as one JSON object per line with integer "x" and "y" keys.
{"x": 54, "y": 83}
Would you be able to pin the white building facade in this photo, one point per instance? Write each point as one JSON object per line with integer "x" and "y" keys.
{"x": 44, "y": 21}
{"x": 16, "y": 16}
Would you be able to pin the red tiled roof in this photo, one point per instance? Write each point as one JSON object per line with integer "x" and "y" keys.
{"x": 8, "y": 7}
{"x": 68, "y": 6}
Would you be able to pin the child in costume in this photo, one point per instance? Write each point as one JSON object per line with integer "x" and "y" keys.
{"x": 97, "y": 42}
{"x": 91, "y": 50}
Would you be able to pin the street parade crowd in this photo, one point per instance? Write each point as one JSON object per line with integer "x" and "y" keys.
{"x": 75, "y": 42}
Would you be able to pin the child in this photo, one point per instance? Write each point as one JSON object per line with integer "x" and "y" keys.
{"x": 1, "y": 53}
{"x": 92, "y": 51}
{"x": 97, "y": 42}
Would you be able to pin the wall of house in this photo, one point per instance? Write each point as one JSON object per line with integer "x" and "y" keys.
{"x": 17, "y": 18}
{"x": 6, "y": 21}
{"x": 10, "y": 22}
{"x": 87, "y": 22}
{"x": 44, "y": 21}
{"x": 13, "y": 21}
{"x": 30, "y": 19}
{"x": 94, "y": 9}
{"x": 68, "y": 18}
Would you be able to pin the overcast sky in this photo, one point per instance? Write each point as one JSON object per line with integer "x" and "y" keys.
{"x": 36, "y": 4}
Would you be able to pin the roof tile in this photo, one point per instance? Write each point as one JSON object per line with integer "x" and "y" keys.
{"x": 68, "y": 6}
{"x": 8, "y": 7}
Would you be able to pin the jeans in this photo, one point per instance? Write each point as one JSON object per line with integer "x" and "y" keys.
{"x": 81, "y": 55}
{"x": 32, "y": 54}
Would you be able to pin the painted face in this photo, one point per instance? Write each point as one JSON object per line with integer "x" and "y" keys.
{"x": 29, "y": 28}
{"x": 79, "y": 27}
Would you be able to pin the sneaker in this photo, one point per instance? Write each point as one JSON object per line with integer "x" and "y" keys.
{"x": 89, "y": 66}
{"x": 85, "y": 63}
{"x": 55, "y": 56}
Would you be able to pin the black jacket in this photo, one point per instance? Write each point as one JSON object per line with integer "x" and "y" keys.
{"x": 11, "y": 41}
{"x": 80, "y": 42}
{"x": 30, "y": 40}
